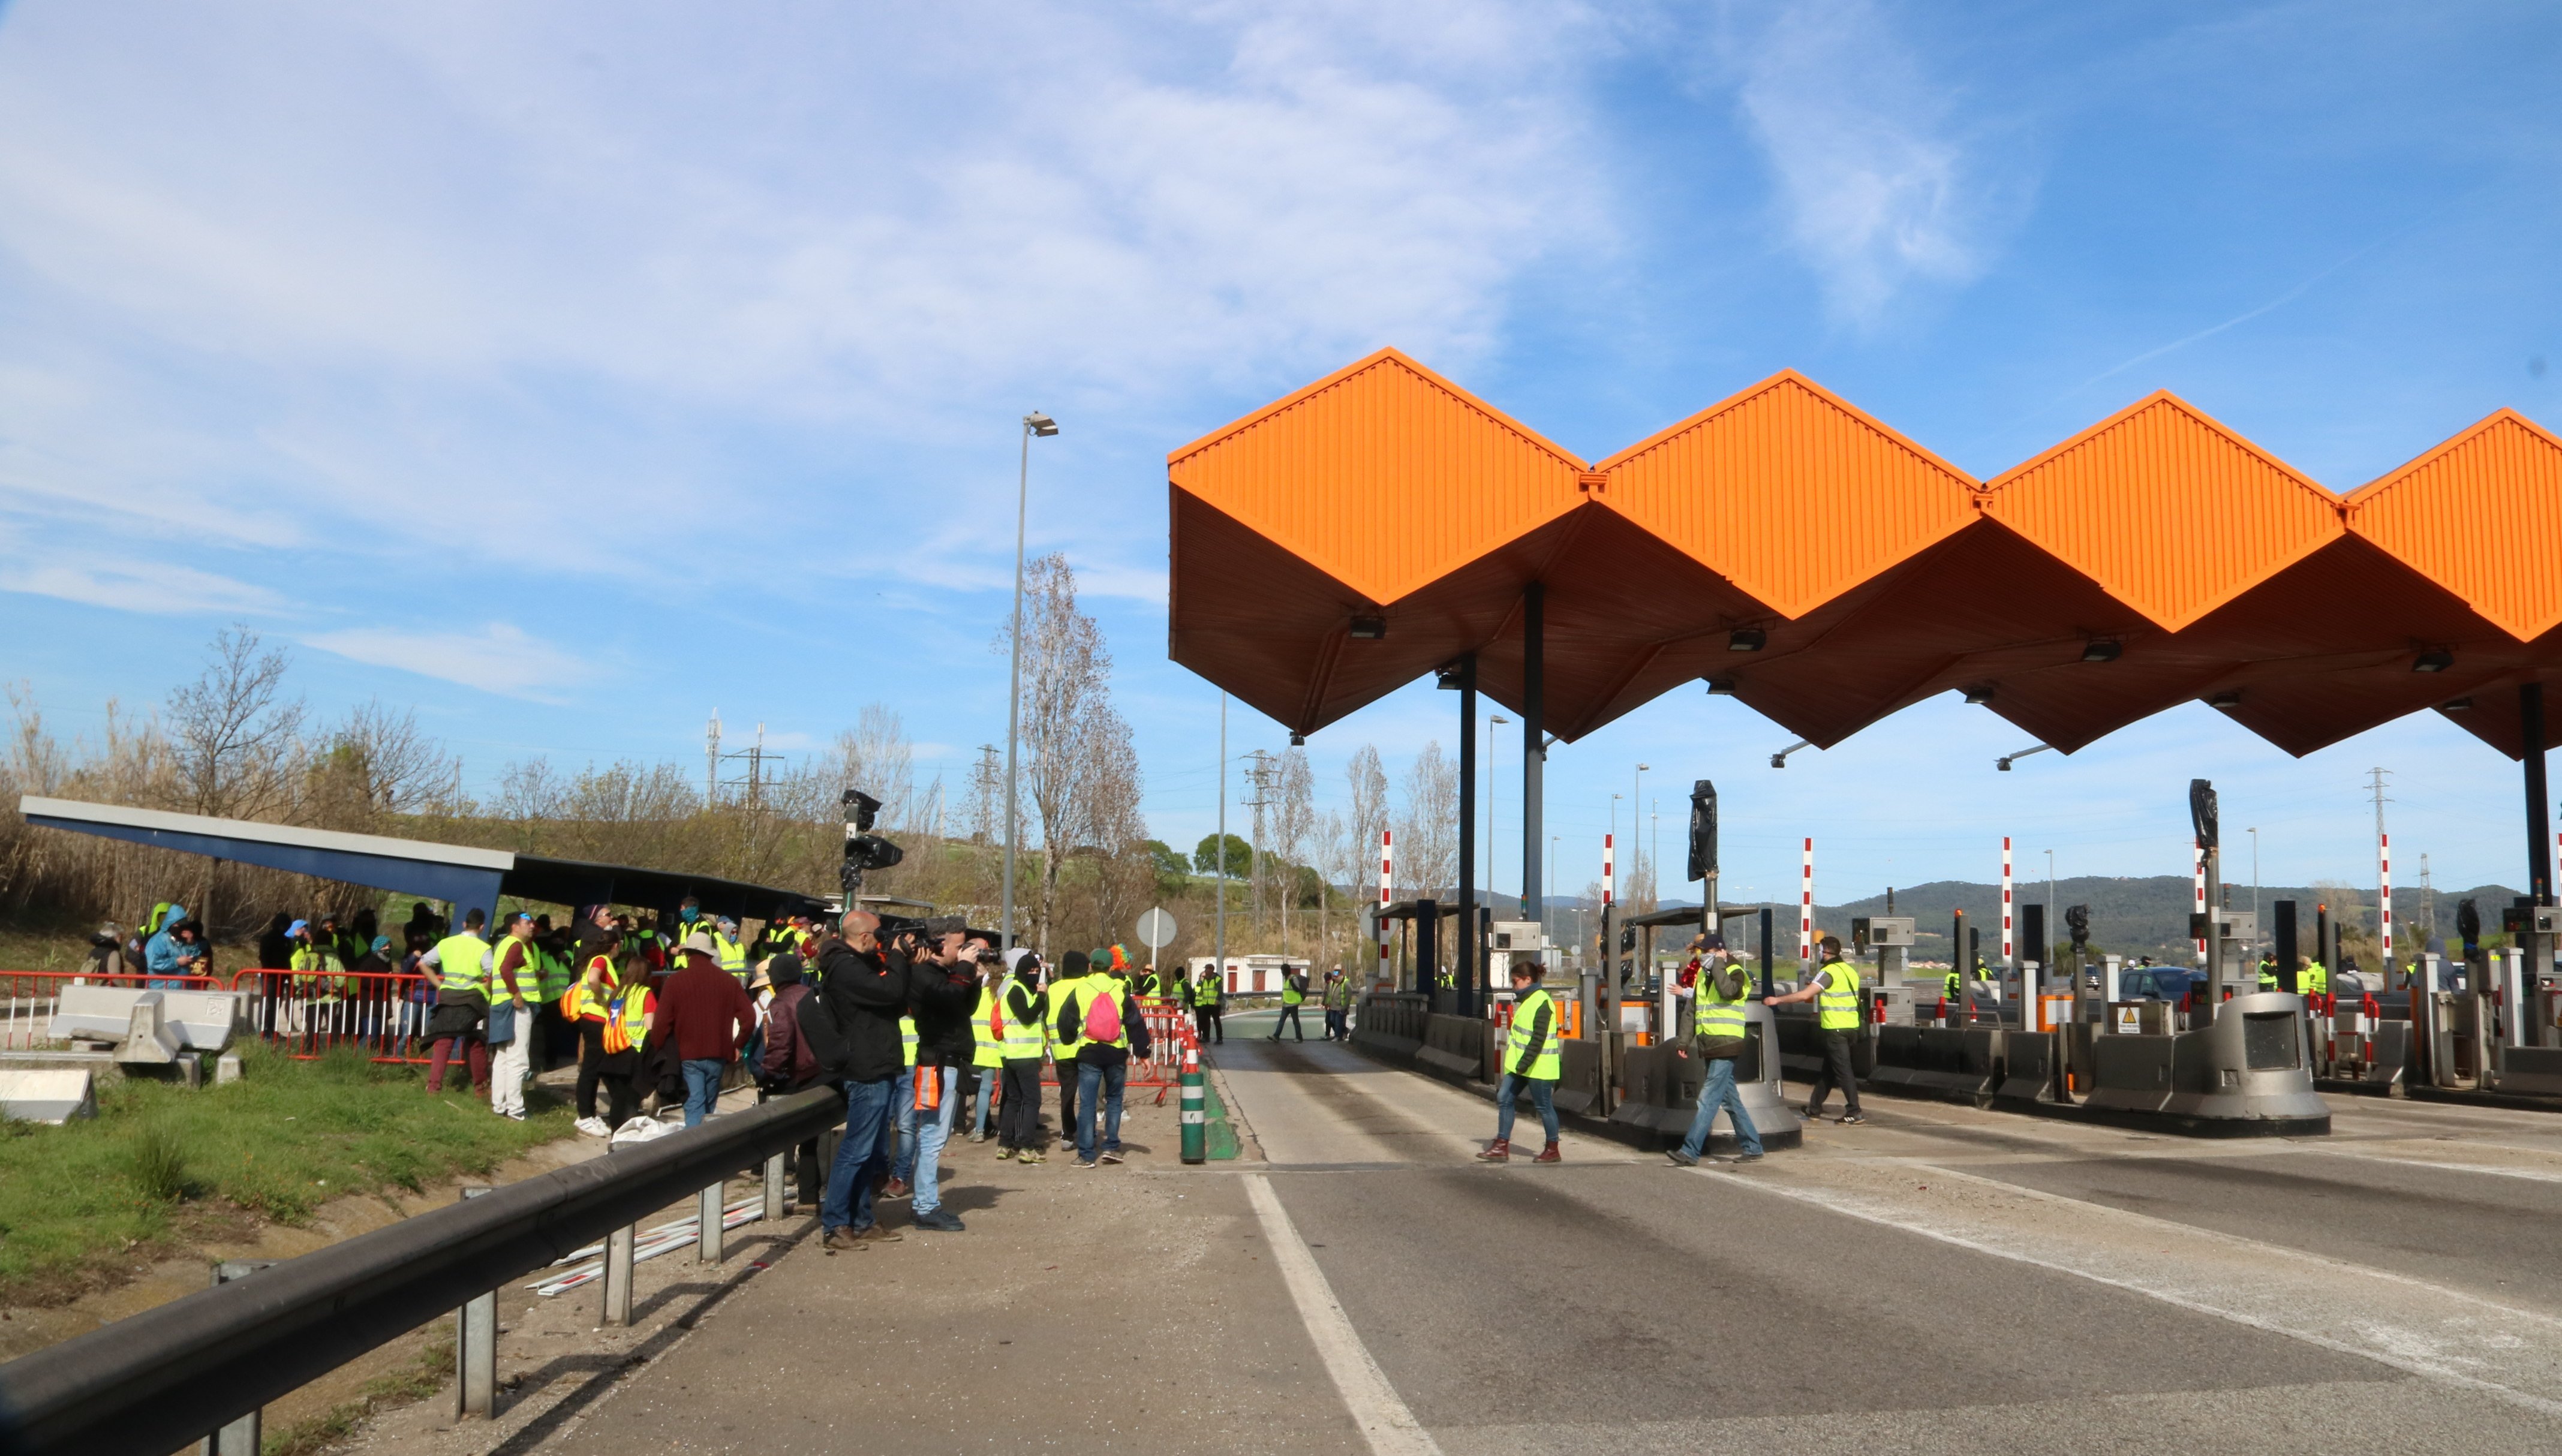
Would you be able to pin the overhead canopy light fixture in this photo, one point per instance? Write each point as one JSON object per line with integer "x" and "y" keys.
{"x": 1746, "y": 639}
{"x": 2456, "y": 705}
{"x": 1298, "y": 740}
{"x": 2004, "y": 762}
{"x": 1447, "y": 678}
{"x": 1369, "y": 629}
{"x": 1720, "y": 687}
{"x": 2229, "y": 698}
{"x": 2436, "y": 659}
{"x": 1981, "y": 692}
{"x": 1779, "y": 760}
{"x": 2103, "y": 649}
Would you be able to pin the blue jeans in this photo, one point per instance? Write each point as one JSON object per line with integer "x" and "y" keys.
{"x": 1716, "y": 1092}
{"x": 933, "y": 1130}
{"x": 849, "y": 1185}
{"x": 1542, "y": 1095}
{"x": 702, "y": 1087}
{"x": 902, "y": 1162}
{"x": 1090, "y": 1080}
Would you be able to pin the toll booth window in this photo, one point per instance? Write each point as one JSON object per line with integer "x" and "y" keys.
{"x": 2268, "y": 1042}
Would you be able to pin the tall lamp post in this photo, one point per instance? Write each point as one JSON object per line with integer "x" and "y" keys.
{"x": 1044, "y": 427}
{"x": 1493, "y": 721}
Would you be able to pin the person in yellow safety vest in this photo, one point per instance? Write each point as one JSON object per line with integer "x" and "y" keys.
{"x": 1532, "y": 1061}
{"x": 1294, "y": 991}
{"x": 1338, "y": 1000}
{"x": 1064, "y": 977}
{"x": 1834, "y": 989}
{"x": 459, "y": 968}
{"x": 314, "y": 965}
{"x": 2314, "y": 979}
{"x": 586, "y": 1007}
{"x": 1208, "y": 994}
{"x": 1020, "y": 1010}
{"x": 553, "y": 976}
{"x": 614, "y": 1004}
{"x": 1720, "y": 1025}
{"x": 729, "y": 949}
{"x": 513, "y": 985}
{"x": 1953, "y": 987}
{"x": 1102, "y": 1061}
{"x": 2269, "y": 970}
{"x": 987, "y": 1046}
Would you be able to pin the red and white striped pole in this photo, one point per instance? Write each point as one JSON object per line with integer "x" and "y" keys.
{"x": 2197, "y": 852}
{"x": 2384, "y": 900}
{"x": 2010, "y": 950}
{"x": 1386, "y": 878}
{"x": 1806, "y": 914}
{"x": 1609, "y": 873}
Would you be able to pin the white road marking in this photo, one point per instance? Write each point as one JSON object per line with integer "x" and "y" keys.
{"x": 2525, "y": 1172}
{"x": 2425, "y": 1330}
{"x": 1373, "y": 1403}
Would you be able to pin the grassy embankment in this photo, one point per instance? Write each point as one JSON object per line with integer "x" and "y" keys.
{"x": 81, "y": 1202}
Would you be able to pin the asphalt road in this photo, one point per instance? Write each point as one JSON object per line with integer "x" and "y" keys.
{"x": 1939, "y": 1280}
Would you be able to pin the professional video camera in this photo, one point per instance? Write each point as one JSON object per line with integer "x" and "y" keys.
{"x": 864, "y": 851}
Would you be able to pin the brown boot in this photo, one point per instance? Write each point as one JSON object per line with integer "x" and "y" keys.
{"x": 1498, "y": 1151}
{"x": 1548, "y": 1153}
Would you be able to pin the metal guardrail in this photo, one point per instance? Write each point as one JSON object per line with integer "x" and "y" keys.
{"x": 153, "y": 1382}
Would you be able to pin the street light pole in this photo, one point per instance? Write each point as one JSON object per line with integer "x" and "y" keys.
{"x": 1636, "y": 784}
{"x": 1034, "y": 424}
{"x": 2254, "y": 833}
{"x": 1493, "y": 722}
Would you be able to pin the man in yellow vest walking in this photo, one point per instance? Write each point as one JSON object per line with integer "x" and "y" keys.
{"x": 1294, "y": 991}
{"x": 1719, "y": 1028}
{"x": 459, "y": 968}
{"x": 1834, "y": 989}
{"x": 1533, "y": 1062}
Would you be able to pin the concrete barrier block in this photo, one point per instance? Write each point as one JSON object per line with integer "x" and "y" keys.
{"x": 2130, "y": 1073}
{"x": 47, "y": 1095}
{"x": 2534, "y": 1071}
{"x": 94, "y": 1013}
{"x": 148, "y": 1039}
{"x": 227, "y": 1070}
{"x": 2028, "y": 1068}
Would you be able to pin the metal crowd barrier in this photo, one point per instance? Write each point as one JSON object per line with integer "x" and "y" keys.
{"x": 164, "y": 1378}
{"x": 307, "y": 1013}
{"x": 28, "y": 999}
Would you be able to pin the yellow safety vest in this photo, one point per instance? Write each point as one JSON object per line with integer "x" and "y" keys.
{"x": 1291, "y": 995}
{"x": 1956, "y": 983}
{"x": 908, "y": 1039}
{"x": 1052, "y": 995}
{"x": 528, "y": 972}
{"x": 2268, "y": 978}
{"x": 1837, "y": 1005}
{"x": 1090, "y": 988}
{"x": 733, "y": 955}
{"x": 1522, "y": 1059}
{"x": 989, "y": 1050}
{"x": 626, "y": 1018}
{"x": 1206, "y": 990}
{"x": 458, "y": 963}
{"x": 2314, "y": 979}
{"x": 588, "y": 1000}
{"x": 1022, "y": 1044}
{"x": 1715, "y": 1016}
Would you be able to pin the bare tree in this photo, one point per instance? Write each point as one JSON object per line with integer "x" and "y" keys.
{"x": 1125, "y": 870}
{"x": 876, "y": 757}
{"x": 372, "y": 765}
{"x": 1294, "y": 818}
{"x": 236, "y": 739}
{"x": 1428, "y": 830}
{"x": 1066, "y": 670}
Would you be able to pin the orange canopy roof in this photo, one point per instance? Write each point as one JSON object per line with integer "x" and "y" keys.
{"x": 2152, "y": 559}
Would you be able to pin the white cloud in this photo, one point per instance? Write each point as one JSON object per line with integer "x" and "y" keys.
{"x": 1878, "y": 185}
{"x": 498, "y": 658}
{"x": 137, "y": 584}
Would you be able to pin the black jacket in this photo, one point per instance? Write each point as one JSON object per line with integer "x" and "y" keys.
{"x": 942, "y": 999}
{"x": 852, "y": 1019}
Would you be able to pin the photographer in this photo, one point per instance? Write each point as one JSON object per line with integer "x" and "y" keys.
{"x": 851, "y": 1025}
{"x": 942, "y": 988}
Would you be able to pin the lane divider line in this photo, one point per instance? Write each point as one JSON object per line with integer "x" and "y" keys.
{"x": 1853, "y": 1208}
{"x": 1373, "y": 1405}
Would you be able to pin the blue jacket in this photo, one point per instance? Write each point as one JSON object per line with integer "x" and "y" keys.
{"x": 161, "y": 953}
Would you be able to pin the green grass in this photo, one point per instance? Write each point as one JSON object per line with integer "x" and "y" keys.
{"x": 81, "y": 1202}
{"x": 1219, "y": 1134}
{"x": 416, "y": 1381}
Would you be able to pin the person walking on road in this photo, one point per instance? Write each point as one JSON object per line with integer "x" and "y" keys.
{"x": 1533, "y": 1062}
{"x": 1834, "y": 989}
{"x": 1020, "y": 1004}
{"x": 711, "y": 1018}
{"x": 1102, "y": 1018}
{"x": 1338, "y": 1006}
{"x": 1719, "y": 1027}
{"x": 1294, "y": 991}
{"x": 1207, "y": 1028}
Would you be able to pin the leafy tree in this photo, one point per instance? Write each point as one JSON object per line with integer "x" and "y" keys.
{"x": 1241, "y": 856}
{"x": 1170, "y": 861}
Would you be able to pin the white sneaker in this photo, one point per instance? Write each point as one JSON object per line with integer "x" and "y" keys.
{"x": 595, "y": 1127}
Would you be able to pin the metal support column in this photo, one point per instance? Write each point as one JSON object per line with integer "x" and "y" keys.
{"x": 1765, "y": 953}
{"x": 241, "y": 1437}
{"x": 775, "y": 1200}
{"x": 1533, "y": 749}
{"x": 707, "y": 1218}
{"x": 475, "y": 1349}
{"x": 2539, "y": 849}
{"x": 1463, "y": 951}
{"x": 618, "y": 1274}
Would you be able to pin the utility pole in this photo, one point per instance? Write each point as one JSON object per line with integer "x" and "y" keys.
{"x": 1259, "y": 778}
{"x": 711, "y": 761}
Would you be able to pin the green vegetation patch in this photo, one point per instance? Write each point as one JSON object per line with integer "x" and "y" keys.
{"x": 80, "y": 1201}
{"x": 1219, "y": 1134}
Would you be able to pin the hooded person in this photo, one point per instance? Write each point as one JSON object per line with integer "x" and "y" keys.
{"x": 275, "y": 944}
{"x": 172, "y": 951}
{"x": 1019, "y": 1002}
{"x": 106, "y": 960}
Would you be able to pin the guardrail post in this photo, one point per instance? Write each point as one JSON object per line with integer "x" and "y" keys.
{"x": 707, "y": 1212}
{"x": 475, "y": 1349}
{"x": 241, "y": 1437}
{"x": 775, "y": 1201}
{"x": 618, "y": 1274}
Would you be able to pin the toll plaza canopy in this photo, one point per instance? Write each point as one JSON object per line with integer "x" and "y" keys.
{"x": 459, "y": 874}
{"x": 1788, "y": 549}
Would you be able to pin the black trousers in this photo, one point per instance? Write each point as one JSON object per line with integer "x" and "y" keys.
{"x": 1206, "y": 1025}
{"x": 1066, "y": 1072}
{"x": 1018, "y": 1112}
{"x": 1835, "y": 1072}
{"x": 591, "y": 1064}
{"x": 1290, "y": 1017}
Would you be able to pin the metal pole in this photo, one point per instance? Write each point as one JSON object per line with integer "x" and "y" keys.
{"x": 1463, "y": 952}
{"x": 2539, "y": 825}
{"x": 1219, "y": 852}
{"x": 241, "y": 1437}
{"x": 707, "y": 1220}
{"x": 475, "y": 1349}
{"x": 618, "y": 1274}
{"x": 1533, "y": 746}
{"x": 1015, "y": 691}
{"x": 775, "y": 1201}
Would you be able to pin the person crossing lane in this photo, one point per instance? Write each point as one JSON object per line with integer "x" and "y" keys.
{"x": 1294, "y": 994}
{"x": 1533, "y": 1062}
{"x": 1718, "y": 1029}
{"x": 1209, "y": 1030}
{"x": 1834, "y": 989}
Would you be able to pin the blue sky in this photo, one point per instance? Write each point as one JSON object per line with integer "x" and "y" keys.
{"x": 571, "y": 371}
